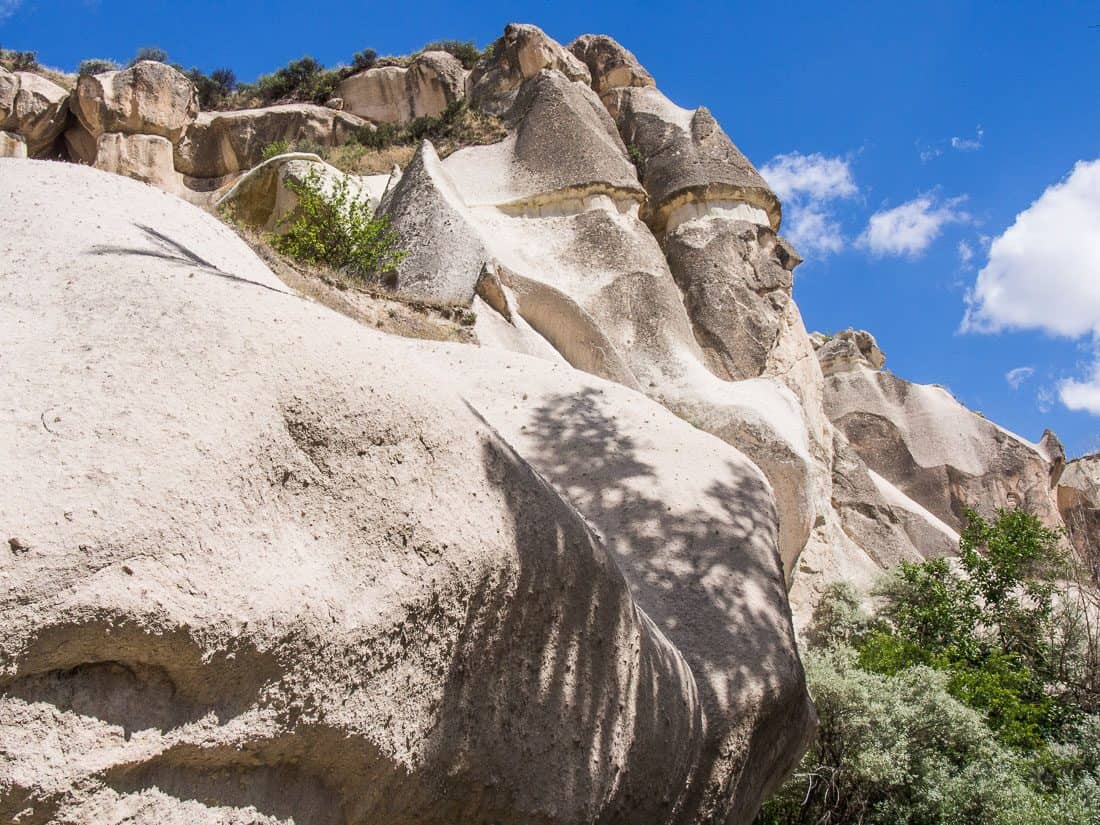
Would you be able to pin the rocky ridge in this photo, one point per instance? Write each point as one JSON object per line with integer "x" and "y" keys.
{"x": 611, "y": 504}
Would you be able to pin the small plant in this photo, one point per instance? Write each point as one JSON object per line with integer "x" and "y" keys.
{"x": 338, "y": 229}
{"x": 18, "y": 61}
{"x": 154, "y": 53}
{"x": 303, "y": 80}
{"x": 274, "y": 149}
{"x": 636, "y": 156}
{"x": 96, "y": 65}
{"x": 214, "y": 88}
{"x": 361, "y": 61}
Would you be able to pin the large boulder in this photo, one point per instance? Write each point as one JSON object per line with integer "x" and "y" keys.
{"x": 932, "y": 448}
{"x": 255, "y": 582}
{"x": 686, "y": 160}
{"x": 611, "y": 65}
{"x": 12, "y": 145}
{"x": 445, "y": 253}
{"x": 396, "y": 94}
{"x": 149, "y": 98}
{"x": 518, "y": 55}
{"x": 33, "y": 108}
{"x": 1079, "y": 504}
{"x": 848, "y": 350}
{"x": 264, "y": 197}
{"x": 147, "y": 158}
{"x": 219, "y": 144}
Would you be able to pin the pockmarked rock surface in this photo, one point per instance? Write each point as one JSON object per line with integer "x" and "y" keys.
{"x": 32, "y": 108}
{"x": 257, "y": 574}
{"x": 149, "y": 98}
{"x": 928, "y": 445}
{"x": 219, "y": 144}
{"x": 397, "y": 94}
{"x": 1079, "y": 504}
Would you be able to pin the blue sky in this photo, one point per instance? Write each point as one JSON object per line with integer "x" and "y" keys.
{"x": 934, "y": 157}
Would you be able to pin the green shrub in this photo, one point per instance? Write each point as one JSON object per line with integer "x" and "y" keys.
{"x": 336, "y": 228}
{"x": 361, "y": 61}
{"x": 300, "y": 80}
{"x": 970, "y": 697}
{"x": 214, "y": 88}
{"x": 274, "y": 149}
{"x": 154, "y": 53}
{"x": 97, "y": 66}
{"x": 17, "y": 61}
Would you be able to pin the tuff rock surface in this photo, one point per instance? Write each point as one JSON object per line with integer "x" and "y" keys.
{"x": 344, "y": 592}
{"x": 268, "y": 564}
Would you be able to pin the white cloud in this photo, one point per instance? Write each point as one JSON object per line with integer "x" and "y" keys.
{"x": 1044, "y": 273}
{"x": 969, "y": 144}
{"x": 1018, "y": 376}
{"x": 9, "y": 7}
{"x": 1082, "y": 395}
{"x": 966, "y": 252}
{"x": 909, "y": 229}
{"x": 807, "y": 184}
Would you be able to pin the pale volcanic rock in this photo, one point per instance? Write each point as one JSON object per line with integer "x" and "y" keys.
{"x": 34, "y": 108}
{"x": 735, "y": 289}
{"x": 446, "y": 255}
{"x": 1079, "y": 504}
{"x": 686, "y": 159}
{"x": 12, "y": 145}
{"x": 149, "y": 98}
{"x": 847, "y": 350}
{"x": 396, "y": 94}
{"x": 262, "y": 574}
{"x": 146, "y": 158}
{"x": 219, "y": 144}
{"x": 935, "y": 450}
{"x": 520, "y": 54}
{"x": 611, "y": 65}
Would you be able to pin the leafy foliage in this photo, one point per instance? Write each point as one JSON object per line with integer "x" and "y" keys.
{"x": 274, "y": 149}
{"x": 971, "y": 696}
{"x": 154, "y": 53}
{"x": 214, "y": 88}
{"x": 300, "y": 80}
{"x": 16, "y": 61}
{"x": 97, "y": 65}
{"x": 334, "y": 227}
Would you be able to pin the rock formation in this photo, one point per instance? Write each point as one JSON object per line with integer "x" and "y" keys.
{"x": 267, "y": 563}
{"x": 397, "y": 94}
{"x": 333, "y": 597}
{"x": 32, "y": 111}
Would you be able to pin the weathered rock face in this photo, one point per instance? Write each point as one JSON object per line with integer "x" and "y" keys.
{"x": 263, "y": 198}
{"x": 395, "y": 94}
{"x": 147, "y": 158}
{"x": 446, "y": 255}
{"x": 610, "y": 64}
{"x": 218, "y": 144}
{"x": 687, "y": 161}
{"x": 520, "y": 54}
{"x": 848, "y": 350}
{"x": 1079, "y": 504}
{"x": 937, "y": 452}
{"x": 32, "y": 108}
{"x": 332, "y": 597}
{"x": 12, "y": 145}
{"x": 149, "y": 98}
{"x": 735, "y": 289}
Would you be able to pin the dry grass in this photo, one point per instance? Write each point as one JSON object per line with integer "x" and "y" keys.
{"x": 356, "y": 159}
